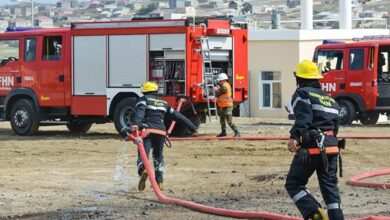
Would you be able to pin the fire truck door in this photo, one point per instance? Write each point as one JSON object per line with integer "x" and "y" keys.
{"x": 9, "y": 67}
{"x": 30, "y": 63}
{"x": 359, "y": 79}
{"x": 51, "y": 71}
{"x": 331, "y": 65}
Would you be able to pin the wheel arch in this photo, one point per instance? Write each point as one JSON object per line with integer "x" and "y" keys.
{"x": 356, "y": 100}
{"x": 118, "y": 97}
{"x": 17, "y": 94}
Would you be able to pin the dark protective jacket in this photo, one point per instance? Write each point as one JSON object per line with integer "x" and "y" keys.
{"x": 314, "y": 109}
{"x": 151, "y": 110}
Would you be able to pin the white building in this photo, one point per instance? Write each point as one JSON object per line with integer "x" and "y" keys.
{"x": 265, "y": 9}
{"x": 273, "y": 55}
{"x": 43, "y": 21}
{"x": 110, "y": 8}
{"x": 179, "y": 13}
{"x": 162, "y": 4}
{"x": 281, "y": 8}
{"x": 3, "y": 25}
{"x": 215, "y": 3}
{"x": 105, "y": 14}
{"x": 370, "y": 14}
{"x": 19, "y": 23}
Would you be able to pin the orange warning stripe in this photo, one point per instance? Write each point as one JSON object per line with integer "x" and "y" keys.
{"x": 156, "y": 131}
{"x": 328, "y": 150}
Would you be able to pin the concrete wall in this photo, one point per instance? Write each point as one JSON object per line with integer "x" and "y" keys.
{"x": 278, "y": 56}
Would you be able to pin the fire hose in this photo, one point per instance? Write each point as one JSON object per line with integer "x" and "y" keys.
{"x": 138, "y": 140}
{"x": 354, "y": 181}
{"x": 260, "y": 138}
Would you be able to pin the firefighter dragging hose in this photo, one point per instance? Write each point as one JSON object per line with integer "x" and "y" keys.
{"x": 149, "y": 116}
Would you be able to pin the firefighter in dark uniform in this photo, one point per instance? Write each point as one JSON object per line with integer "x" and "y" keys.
{"x": 149, "y": 115}
{"x": 316, "y": 125}
{"x": 225, "y": 105}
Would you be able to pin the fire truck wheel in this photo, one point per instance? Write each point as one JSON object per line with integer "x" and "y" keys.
{"x": 347, "y": 112}
{"x": 123, "y": 113}
{"x": 369, "y": 118}
{"x": 181, "y": 130}
{"x": 24, "y": 118}
{"x": 77, "y": 127}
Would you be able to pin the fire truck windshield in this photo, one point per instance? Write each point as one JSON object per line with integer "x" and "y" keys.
{"x": 329, "y": 60}
{"x": 9, "y": 51}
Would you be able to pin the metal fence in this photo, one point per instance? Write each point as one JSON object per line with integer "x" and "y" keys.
{"x": 358, "y": 23}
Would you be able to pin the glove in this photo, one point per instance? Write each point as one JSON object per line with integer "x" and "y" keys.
{"x": 303, "y": 156}
{"x": 134, "y": 128}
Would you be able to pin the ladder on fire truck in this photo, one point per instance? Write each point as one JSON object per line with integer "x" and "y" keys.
{"x": 208, "y": 79}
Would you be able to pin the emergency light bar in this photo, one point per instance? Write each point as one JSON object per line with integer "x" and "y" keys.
{"x": 11, "y": 29}
{"x": 332, "y": 42}
{"x": 372, "y": 37}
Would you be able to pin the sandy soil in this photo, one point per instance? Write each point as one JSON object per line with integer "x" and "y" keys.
{"x": 58, "y": 176}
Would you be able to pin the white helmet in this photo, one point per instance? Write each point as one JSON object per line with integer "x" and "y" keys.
{"x": 222, "y": 76}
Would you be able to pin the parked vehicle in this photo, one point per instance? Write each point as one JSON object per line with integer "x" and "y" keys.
{"x": 356, "y": 74}
{"x": 92, "y": 72}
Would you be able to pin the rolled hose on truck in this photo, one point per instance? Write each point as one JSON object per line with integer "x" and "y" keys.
{"x": 208, "y": 209}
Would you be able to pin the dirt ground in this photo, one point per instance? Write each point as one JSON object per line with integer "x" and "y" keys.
{"x": 58, "y": 176}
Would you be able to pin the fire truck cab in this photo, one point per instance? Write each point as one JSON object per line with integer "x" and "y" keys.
{"x": 356, "y": 74}
{"x": 92, "y": 72}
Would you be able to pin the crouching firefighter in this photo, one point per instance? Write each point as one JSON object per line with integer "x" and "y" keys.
{"x": 149, "y": 115}
{"x": 313, "y": 139}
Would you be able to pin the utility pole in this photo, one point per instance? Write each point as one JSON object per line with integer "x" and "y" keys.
{"x": 32, "y": 13}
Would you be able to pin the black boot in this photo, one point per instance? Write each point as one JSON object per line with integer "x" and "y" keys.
{"x": 336, "y": 214}
{"x": 142, "y": 180}
{"x": 237, "y": 133}
{"x": 222, "y": 134}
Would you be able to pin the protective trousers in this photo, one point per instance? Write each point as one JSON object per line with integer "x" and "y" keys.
{"x": 225, "y": 115}
{"x": 156, "y": 142}
{"x": 298, "y": 177}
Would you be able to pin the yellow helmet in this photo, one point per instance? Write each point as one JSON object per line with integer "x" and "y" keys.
{"x": 306, "y": 69}
{"x": 149, "y": 87}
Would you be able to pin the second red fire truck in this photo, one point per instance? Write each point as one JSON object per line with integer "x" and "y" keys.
{"x": 356, "y": 74}
{"x": 92, "y": 72}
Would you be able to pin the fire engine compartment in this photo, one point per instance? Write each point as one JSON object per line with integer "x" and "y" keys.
{"x": 163, "y": 57}
{"x": 167, "y": 63}
{"x": 168, "y": 66}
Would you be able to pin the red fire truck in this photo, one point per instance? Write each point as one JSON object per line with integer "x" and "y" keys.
{"x": 91, "y": 72}
{"x": 356, "y": 74}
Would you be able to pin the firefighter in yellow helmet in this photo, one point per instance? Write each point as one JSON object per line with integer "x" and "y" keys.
{"x": 225, "y": 105}
{"x": 314, "y": 142}
{"x": 150, "y": 114}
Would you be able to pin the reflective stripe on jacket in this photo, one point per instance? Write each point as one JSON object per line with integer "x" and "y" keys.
{"x": 150, "y": 114}
{"x": 225, "y": 99}
{"x": 314, "y": 109}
